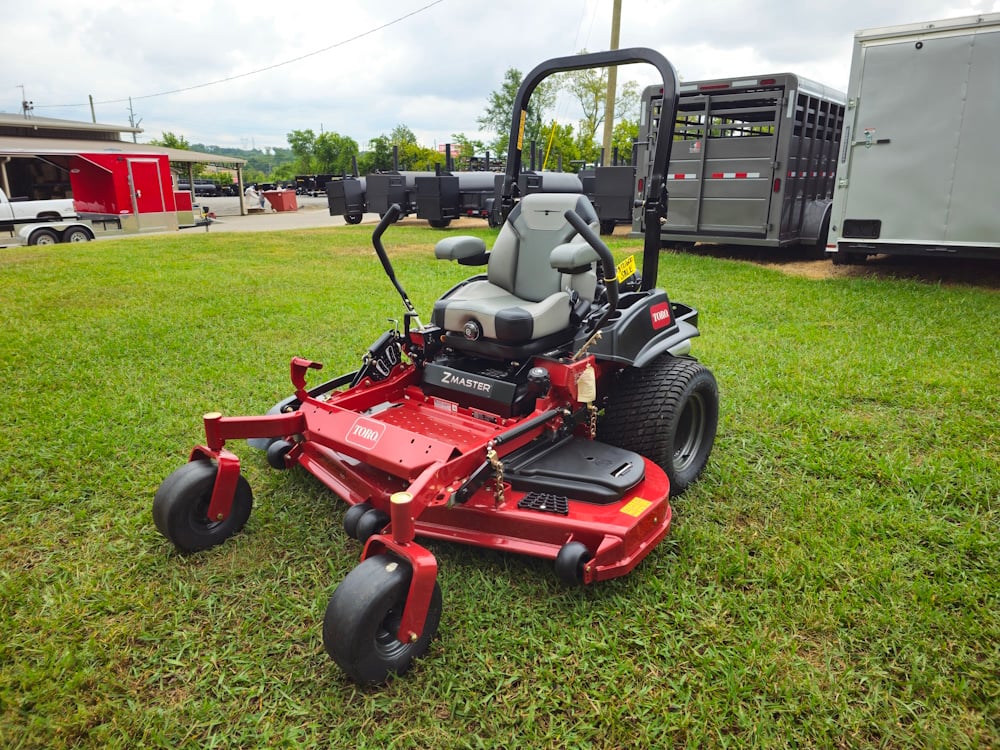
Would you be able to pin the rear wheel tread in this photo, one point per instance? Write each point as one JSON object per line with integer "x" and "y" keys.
{"x": 640, "y": 406}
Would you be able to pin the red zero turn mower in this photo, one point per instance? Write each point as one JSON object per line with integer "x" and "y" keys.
{"x": 549, "y": 408}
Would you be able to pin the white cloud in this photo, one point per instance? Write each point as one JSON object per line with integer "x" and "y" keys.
{"x": 432, "y": 71}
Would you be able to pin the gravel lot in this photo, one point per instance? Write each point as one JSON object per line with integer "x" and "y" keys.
{"x": 230, "y": 206}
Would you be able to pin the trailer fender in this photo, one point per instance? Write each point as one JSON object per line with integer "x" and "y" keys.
{"x": 817, "y": 215}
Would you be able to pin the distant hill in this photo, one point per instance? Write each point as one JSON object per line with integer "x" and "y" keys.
{"x": 263, "y": 160}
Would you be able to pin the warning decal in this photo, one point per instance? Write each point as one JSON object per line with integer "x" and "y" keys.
{"x": 635, "y": 507}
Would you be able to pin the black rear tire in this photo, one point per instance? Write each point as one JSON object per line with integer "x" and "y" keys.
{"x": 439, "y": 223}
{"x": 353, "y": 218}
{"x": 362, "y": 621}
{"x": 668, "y": 411}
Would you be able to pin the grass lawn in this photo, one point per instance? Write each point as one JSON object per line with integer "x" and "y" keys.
{"x": 832, "y": 581}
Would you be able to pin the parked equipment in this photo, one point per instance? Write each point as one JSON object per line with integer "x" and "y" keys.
{"x": 916, "y": 172}
{"x": 484, "y": 425}
{"x": 346, "y": 197}
{"x": 752, "y": 162}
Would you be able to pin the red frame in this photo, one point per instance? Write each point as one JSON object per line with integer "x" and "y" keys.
{"x": 408, "y": 460}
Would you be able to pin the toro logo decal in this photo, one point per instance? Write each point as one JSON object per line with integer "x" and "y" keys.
{"x": 365, "y": 433}
{"x": 660, "y": 315}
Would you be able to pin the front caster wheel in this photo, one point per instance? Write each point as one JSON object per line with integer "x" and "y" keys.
{"x": 276, "y": 453}
{"x": 180, "y": 508}
{"x": 352, "y": 516}
{"x": 361, "y": 625}
{"x": 570, "y": 561}
{"x": 369, "y": 524}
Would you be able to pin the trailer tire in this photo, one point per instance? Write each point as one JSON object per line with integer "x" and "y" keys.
{"x": 361, "y": 623}
{"x": 439, "y": 223}
{"x": 844, "y": 258}
{"x": 608, "y": 226}
{"x": 77, "y": 234}
{"x": 667, "y": 411}
{"x": 353, "y": 218}
{"x": 817, "y": 251}
{"x": 43, "y": 237}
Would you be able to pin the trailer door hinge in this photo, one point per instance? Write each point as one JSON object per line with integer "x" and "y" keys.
{"x": 852, "y": 103}
{"x": 842, "y": 182}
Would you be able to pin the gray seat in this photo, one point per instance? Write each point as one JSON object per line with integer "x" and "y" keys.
{"x": 529, "y": 292}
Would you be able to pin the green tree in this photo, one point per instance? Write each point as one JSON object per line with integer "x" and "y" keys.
{"x": 589, "y": 87}
{"x": 171, "y": 140}
{"x": 333, "y": 153}
{"x": 500, "y": 106}
{"x": 303, "y": 144}
{"x": 401, "y": 135}
{"x": 621, "y": 138}
{"x": 378, "y": 157}
{"x": 559, "y": 146}
{"x": 284, "y": 171}
{"x": 463, "y": 149}
{"x": 412, "y": 156}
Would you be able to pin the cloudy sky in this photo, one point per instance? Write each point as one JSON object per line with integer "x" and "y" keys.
{"x": 246, "y": 73}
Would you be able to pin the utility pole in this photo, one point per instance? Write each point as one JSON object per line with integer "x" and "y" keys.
{"x": 93, "y": 114}
{"x": 609, "y": 101}
{"x": 26, "y": 106}
{"x": 135, "y": 123}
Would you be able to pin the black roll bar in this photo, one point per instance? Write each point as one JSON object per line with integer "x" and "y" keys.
{"x": 654, "y": 200}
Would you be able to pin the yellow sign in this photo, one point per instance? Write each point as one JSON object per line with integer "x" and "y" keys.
{"x": 626, "y": 268}
{"x": 520, "y": 130}
{"x": 635, "y": 507}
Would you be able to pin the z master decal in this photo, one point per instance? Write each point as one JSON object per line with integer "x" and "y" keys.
{"x": 463, "y": 381}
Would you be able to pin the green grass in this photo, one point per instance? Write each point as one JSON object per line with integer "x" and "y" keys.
{"x": 832, "y": 581}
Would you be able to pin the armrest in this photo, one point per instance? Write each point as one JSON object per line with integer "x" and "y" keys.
{"x": 469, "y": 251}
{"x": 573, "y": 257}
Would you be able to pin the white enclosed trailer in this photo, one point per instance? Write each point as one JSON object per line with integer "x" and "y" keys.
{"x": 919, "y": 166}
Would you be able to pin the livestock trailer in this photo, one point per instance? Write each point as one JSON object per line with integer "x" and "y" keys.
{"x": 752, "y": 162}
{"x": 917, "y": 170}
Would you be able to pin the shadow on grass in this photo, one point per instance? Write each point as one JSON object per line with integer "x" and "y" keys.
{"x": 984, "y": 274}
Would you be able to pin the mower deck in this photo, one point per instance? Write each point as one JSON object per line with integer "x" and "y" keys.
{"x": 369, "y": 443}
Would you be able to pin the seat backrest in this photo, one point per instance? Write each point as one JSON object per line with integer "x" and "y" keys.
{"x": 519, "y": 259}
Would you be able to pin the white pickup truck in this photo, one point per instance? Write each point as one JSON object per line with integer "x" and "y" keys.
{"x": 16, "y": 211}
{"x": 44, "y": 222}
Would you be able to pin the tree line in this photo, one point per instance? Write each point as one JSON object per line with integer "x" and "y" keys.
{"x": 556, "y": 143}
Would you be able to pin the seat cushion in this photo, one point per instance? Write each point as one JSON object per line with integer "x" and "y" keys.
{"x": 501, "y": 315}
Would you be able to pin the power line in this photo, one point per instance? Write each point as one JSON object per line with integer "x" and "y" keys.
{"x": 258, "y": 70}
